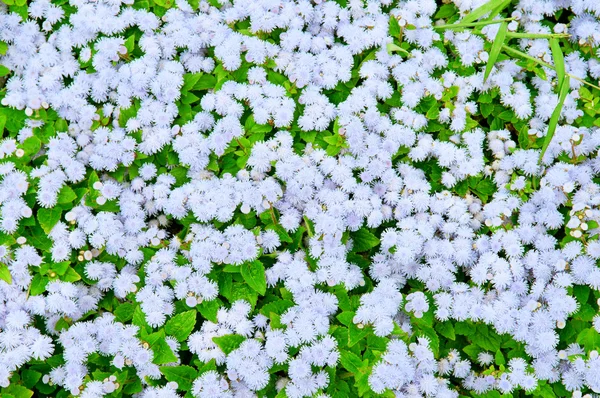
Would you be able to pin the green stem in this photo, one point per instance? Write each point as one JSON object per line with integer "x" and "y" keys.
{"x": 540, "y": 62}
{"x": 241, "y": 146}
{"x": 273, "y": 218}
{"x": 471, "y": 24}
{"x": 526, "y": 56}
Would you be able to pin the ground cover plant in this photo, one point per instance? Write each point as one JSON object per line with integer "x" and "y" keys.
{"x": 281, "y": 198}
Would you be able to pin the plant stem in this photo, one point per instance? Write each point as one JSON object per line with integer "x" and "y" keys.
{"x": 241, "y": 146}
{"x": 540, "y": 62}
{"x": 471, "y": 24}
{"x": 273, "y": 218}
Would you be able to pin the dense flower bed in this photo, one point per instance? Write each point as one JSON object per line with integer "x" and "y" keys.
{"x": 290, "y": 198}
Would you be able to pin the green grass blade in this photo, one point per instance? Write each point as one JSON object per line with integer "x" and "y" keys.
{"x": 559, "y": 60}
{"x": 493, "y": 5}
{"x": 564, "y": 90}
{"x": 495, "y": 51}
{"x": 519, "y": 35}
{"x": 498, "y": 9}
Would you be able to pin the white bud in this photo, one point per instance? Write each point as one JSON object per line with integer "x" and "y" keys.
{"x": 191, "y": 301}
{"x": 562, "y": 354}
{"x": 172, "y": 385}
{"x": 26, "y": 212}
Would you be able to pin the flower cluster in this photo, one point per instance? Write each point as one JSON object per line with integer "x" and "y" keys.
{"x": 294, "y": 198}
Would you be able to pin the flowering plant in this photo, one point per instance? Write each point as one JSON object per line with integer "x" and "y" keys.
{"x": 275, "y": 198}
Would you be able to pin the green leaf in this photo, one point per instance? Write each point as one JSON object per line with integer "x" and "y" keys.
{"x": 445, "y": 11}
{"x": 495, "y": 51}
{"x": 189, "y": 81}
{"x": 544, "y": 390}
{"x": 589, "y": 338}
{"x": 71, "y": 276}
{"x": 48, "y": 218}
{"x": 210, "y": 365}
{"x": 18, "y": 391}
{"x": 206, "y": 82}
{"x": 350, "y": 361}
{"x": 162, "y": 352}
{"x": 564, "y": 90}
{"x": 253, "y": 273}
{"x": 346, "y": 317}
{"x": 486, "y": 338}
{"x": 3, "y": 120}
{"x": 499, "y": 357}
{"x": 464, "y": 328}
{"x": 130, "y": 43}
{"x": 62, "y": 324}
{"x": 183, "y": 375}
{"x": 278, "y": 307}
{"x": 60, "y": 268}
{"x": 66, "y": 195}
{"x": 363, "y": 240}
{"x": 581, "y": 293}
{"x": 446, "y": 329}
{"x": 30, "y": 377}
{"x": 209, "y": 309}
{"x": 356, "y": 334}
{"x": 38, "y": 285}
{"x": 5, "y": 274}
{"x": 124, "y": 312}
{"x": 4, "y": 70}
{"x": 472, "y": 351}
{"x": 139, "y": 319}
{"x": 229, "y": 342}
{"x": 32, "y": 145}
{"x": 394, "y": 26}
{"x": 181, "y": 325}
{"x": 486, "y": 186}
{"x": 559, "y": 60}
{"x": 433, "y": 112}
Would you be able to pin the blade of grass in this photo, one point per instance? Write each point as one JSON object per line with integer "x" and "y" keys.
{"x": 559, "y": 59}
{"x": 495, "y": 51}
{"x": 564, "y": 90}
{"x": 492, "y": 5}
{"x": 498, "y": 9}
{"x": 519, "y": 35}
